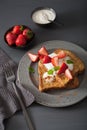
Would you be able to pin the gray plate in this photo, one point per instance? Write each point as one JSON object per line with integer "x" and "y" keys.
{"x": 58, "y": 98}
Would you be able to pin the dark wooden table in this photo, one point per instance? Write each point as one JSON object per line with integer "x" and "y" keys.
{"x": 72, "y": 13}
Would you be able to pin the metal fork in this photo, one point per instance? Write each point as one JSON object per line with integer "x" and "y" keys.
{"x": 10, "y": 77}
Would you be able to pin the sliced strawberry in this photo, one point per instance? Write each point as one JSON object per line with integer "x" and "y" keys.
{"x": 41, "y": 56}
{"x": 55, "y": 60}
{"x": 61, "y": 54}
{"x": 33, "y": 57}
{"x": 43, "y": 51}
{"x": 62, "y": 69}
{"x": 46, "y": 59}
{"x": 68, "y": 74}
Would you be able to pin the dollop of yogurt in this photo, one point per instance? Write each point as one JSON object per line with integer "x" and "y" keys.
{"x": 49, "y": 66}
{"x": 43, "y": 16}
{"x": 49, "y": 78}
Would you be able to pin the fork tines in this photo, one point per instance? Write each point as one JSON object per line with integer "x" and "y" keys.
{"x": 7, "y": 69}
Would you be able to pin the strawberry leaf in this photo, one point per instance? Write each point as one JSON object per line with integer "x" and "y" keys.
{"x": 22, "y": 27}
{"x": 50, "y": 71}
{"x": 31, "y": 69}
{"x": 56, "y": 68}
{"x": 69, "y": 62}
{"x": 53, "y": 69}
{"x": 30, "y": 33}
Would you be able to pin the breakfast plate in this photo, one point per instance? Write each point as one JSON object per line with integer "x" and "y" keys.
{"x": 53, "y": 98}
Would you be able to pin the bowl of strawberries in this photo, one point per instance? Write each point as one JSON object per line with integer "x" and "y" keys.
{"x": 19, "y": 36}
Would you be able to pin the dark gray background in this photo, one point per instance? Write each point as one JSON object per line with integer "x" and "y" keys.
{"x": 73, "y": 14}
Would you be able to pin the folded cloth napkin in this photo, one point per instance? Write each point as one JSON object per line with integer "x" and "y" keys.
{"x": 9, "y": 103}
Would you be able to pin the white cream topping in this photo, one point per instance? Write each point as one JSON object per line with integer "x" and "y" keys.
{"x": 70, "y": 66}
{"x": 49, "y": 77}
{"x": 61, "y": 61}
{"x": 45, "y": 75}
{"x": 52, "y": 55}
{"x": 43, "y": 16}
{"x": 49, "y": 66}
{"x": 67, "y": 58}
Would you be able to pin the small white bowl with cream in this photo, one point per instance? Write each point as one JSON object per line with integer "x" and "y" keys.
{"x": 43, "y": 16}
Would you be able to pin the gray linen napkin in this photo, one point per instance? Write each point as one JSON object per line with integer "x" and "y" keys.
{"x": 9, "y": 103}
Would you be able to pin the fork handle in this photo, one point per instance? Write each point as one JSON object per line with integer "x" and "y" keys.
{"x": 25, "y": 113}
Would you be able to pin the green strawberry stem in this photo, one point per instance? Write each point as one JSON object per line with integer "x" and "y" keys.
{"x": 30, "y": 33}
{"x": 22, "y": 27}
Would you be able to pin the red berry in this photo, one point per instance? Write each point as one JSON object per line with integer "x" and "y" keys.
{"x": 11, "y": 38}
{"x": 68, "y": 74}
{"x": 61, "y": 54}
{"x": 28, "y": 34}
{"x": 20, "y": 41}
{"x": 33, "y": 57}
{"x": 55, "y": 61}
{"x": 43, "y": 51}
{"x": 62, "y": 69}
{"x": 41, "y": 56}
{"x": 18, "y": 29}
{"x": 46, "y": 59}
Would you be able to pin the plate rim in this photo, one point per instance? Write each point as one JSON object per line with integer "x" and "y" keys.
{"x": 43, "y": 102}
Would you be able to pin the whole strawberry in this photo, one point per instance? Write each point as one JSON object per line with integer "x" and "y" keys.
{"x": 20, "y": 41}
{"x": 11, "y": 38}
{"x": 28, "y": 34}
{"x": 18, "y": 29}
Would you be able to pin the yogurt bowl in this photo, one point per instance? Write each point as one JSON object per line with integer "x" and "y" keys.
{"x": 43, "y": 15}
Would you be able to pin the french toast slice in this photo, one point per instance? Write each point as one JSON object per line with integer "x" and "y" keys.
{"x": 78, "y": 63}
{"x": 61, "y": 81}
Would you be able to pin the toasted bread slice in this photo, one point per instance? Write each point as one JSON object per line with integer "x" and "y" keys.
{"x": 61, "y": 81}
{"x": 78, "y": 63}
